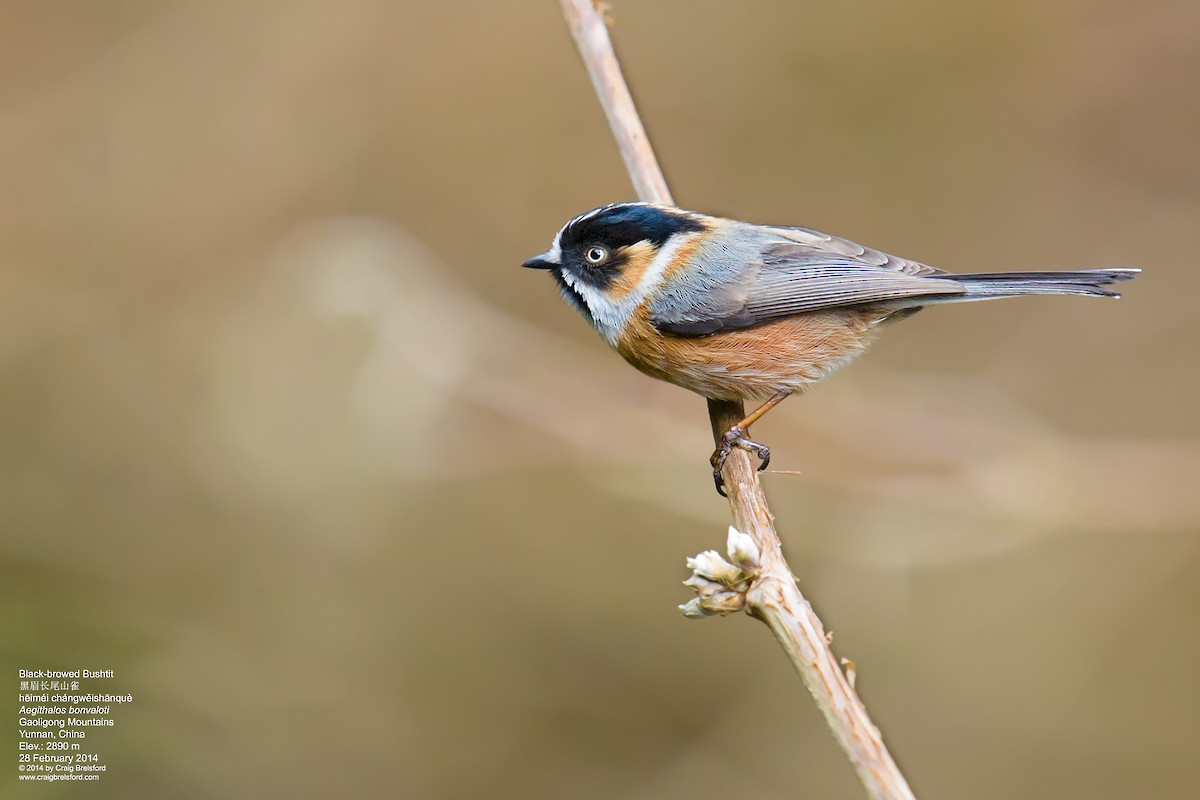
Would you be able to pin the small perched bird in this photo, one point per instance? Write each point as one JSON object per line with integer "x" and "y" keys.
{"x": 734, "y": 311}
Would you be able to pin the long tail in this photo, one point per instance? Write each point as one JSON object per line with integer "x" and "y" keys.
{"x": 986, "y": 285}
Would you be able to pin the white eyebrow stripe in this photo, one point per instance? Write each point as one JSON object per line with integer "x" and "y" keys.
{"x": 596, "y": 211}
{"x": 588, "y": 214}
{"x": 555, "y": 251}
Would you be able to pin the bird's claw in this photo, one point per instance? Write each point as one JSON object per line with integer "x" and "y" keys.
{"x": 736, "y": 437}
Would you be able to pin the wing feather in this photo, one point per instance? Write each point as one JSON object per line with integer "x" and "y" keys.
{"x": 749, "y": 275}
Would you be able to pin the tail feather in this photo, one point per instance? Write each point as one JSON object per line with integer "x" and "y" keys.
{"x": 986, "y": 285}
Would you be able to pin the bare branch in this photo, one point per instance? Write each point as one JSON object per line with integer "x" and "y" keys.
{"x": 773, "y": 595}
{"x": 586, "y": 21}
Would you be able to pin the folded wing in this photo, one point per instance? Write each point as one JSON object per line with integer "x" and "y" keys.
{"x": 752, "y": 275}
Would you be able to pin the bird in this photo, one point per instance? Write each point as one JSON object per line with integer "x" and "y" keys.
{"x": 739, "y": 311}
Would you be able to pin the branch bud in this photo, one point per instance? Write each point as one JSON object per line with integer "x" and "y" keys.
{"x": 742, "y": 550}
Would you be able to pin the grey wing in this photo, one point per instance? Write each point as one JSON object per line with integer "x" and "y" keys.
{"x": 749, "y": 275}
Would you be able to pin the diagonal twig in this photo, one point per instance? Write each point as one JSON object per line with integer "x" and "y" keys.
{"x": 773, "y": 595}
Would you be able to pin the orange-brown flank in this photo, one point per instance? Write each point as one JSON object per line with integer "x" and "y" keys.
{"x": 782, "y": 356}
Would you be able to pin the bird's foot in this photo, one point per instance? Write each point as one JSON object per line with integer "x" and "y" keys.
{"x": 736, "y": 437}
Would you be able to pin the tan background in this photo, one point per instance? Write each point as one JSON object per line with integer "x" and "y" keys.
{"x": 356, "y": 507}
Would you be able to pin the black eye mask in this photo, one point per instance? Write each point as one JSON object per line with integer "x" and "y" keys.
{"x": 617, "y": 228}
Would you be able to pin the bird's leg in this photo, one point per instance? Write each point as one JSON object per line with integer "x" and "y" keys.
{"x": 736, "y": 437}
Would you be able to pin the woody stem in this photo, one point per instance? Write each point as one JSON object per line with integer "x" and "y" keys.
{"x": 773, "y": 596}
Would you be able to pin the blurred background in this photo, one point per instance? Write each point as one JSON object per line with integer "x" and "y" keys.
{"x": 353, "y": 505}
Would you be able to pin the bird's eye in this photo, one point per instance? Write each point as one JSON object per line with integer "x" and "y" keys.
{"x": 596, "y": 254}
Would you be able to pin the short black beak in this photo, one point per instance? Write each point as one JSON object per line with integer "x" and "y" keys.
{"x": 541, "y": 262}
